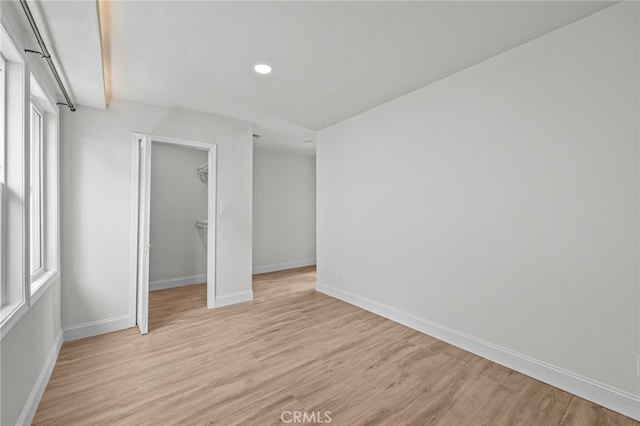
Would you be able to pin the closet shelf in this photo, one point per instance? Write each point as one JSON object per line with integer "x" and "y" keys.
{"x": 202, "y": 226}
{"x": 203, "y": 173}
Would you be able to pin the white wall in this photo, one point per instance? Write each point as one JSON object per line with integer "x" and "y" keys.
{"x": 96, "y": 204}
{"x": 178, "y": 199}
{"x": 284, "y": 210}
{"x": 502, "y": 203}
{"x": 27, "y": 356}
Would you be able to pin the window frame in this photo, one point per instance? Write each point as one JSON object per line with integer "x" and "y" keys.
{"x": 3, "y": 138}
{"x": 37, "y": 188}
{"x": 49, "y": 248}
{"x": 16, "y": 300}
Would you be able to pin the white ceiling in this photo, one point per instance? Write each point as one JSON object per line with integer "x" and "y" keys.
{"x": 72, "y": 35}
{"x": 331, "y": 60}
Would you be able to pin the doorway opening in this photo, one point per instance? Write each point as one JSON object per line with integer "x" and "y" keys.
{"x": 142, "y": 279}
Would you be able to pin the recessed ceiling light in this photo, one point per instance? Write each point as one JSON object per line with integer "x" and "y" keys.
{"x": 263, "y": 69}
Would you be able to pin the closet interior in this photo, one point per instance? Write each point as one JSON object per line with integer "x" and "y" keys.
{"x": 178, "y": 226}
{"x": 202, "y": 225}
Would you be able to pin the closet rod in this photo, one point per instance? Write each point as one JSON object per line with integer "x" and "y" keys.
{"x": 45, "y": 54}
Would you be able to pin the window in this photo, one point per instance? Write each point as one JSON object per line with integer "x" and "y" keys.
{"x": 36, "y": 189}
{"x": 2, "y": 178}
{"x": 29, "y": 179}
{"x": 13, "y": 140}
{"x": 43, "y": 190}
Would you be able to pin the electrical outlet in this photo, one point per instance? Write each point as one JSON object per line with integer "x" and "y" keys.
{"x": 338, "y": 276}
{"x": 224, "y": 208}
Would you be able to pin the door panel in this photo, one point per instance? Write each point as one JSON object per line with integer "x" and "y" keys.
{"x": 144, "y": 183}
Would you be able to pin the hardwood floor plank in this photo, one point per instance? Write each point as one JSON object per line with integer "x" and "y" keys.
{"x": 291, "y": 349}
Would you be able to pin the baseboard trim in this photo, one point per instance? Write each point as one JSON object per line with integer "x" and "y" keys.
{"x": 177, "y": 282}
{"x": 30, "y": 407}
{"x": 232, "y": 299}
{"x": 94, "y": 328}
{"x": 599, "y": 393}
{"x": 282, "y": 266}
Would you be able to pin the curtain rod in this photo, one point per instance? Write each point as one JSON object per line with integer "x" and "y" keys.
{"x": 45, "y": 54}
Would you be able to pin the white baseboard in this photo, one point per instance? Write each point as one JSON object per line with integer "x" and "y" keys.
{"x": 283, "y": 266}
{"x": 177, "y": 282}
{"x": 30, "y": 407}
{"x": 89, "y": 329}
{"x": 232, "y": 299}
{"x": 599, "y": 393}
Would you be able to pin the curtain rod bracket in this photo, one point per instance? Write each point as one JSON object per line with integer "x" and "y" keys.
{"x": 39, "y": 53}
{"x": 71, "y": 107}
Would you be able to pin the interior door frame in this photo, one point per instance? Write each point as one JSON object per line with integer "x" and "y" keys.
{"x": 211, "y": 149}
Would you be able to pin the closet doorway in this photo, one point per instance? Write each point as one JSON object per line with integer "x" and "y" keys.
{"x": 141, "y": 206}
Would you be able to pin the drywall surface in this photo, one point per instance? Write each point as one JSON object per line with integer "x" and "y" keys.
{"x": 503, "y": 201}
{"x": 96, "y": 202}
{"x": 284, "y": 210}
{"x": 24, "y": 353}
{"x": 178, "y": 199}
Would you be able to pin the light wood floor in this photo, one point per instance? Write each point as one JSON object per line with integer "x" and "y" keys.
{"x": 291, "y": 349}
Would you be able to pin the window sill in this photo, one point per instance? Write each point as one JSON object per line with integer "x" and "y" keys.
{"x": 10, "y": 315}
{"x": 41, "y": 284}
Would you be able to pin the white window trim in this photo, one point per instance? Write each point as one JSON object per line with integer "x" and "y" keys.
{"x": 50, "y": 243}
{"x": 2, "y": 178}
{"x": 41, "y": 284}
{"x": 15, "y": 82}
{"x": 2, "y": 244}
{"x": 40, "y": 186}
{"x": 11, "y": 314}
